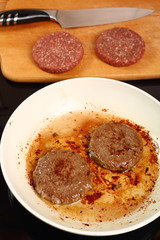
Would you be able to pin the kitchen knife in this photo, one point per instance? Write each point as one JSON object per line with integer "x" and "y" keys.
{"x": 73, "y": 18}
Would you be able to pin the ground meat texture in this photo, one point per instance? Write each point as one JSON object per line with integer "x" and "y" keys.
{"x": 115, "y": 146}
{"x": 57, "y": 52}
{"x": 120, "y": 47}
{"x": 62, "y": 176}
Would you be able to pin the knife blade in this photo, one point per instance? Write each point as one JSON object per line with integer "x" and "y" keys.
{"x": 73, "y": 18}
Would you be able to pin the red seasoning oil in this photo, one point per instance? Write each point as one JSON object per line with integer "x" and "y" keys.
{"x": 114, "y": 194}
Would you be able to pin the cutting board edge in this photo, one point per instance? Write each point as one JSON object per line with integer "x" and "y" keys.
{"x": 16, "y": 78}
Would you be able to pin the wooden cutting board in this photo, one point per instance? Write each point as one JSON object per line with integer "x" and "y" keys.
{"x": 16, "y": 43}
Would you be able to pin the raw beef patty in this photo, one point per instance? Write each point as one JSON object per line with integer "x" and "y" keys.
{"x": 57, "y": 52}
{"x": 120, "y": 47}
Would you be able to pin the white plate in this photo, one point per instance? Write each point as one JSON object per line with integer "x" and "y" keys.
{"x": 120, "y": 98}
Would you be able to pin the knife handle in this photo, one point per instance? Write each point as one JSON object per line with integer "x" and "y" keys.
{"x": 21, "y": 16}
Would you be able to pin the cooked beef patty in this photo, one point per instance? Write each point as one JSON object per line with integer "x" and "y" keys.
{"x": 62, "y": 176}
{"x": 115, "y": 146}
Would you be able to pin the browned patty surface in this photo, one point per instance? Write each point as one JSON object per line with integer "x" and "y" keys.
{"x": 62, "y": 176}
{"x": 120, "y": 47}
{"x": 57, "y": 52}
{"x": 115, "y": 146}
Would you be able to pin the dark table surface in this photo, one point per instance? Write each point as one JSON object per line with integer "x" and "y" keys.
{"x": 15, "y": 221}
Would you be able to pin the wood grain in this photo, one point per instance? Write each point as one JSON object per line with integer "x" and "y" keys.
{"x": 3, "y": 4}
{"x": 16, "y": 43}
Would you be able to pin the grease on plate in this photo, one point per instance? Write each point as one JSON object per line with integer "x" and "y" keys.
{"x": 114, "y": 194}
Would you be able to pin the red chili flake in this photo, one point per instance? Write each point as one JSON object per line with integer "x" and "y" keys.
{"x": 86, "y": 224}
{"x": 91, "y": 198}
{"x": 54, "y": 134}
{"x": 115, "y": 177}
{"x": 116, "y": 186}
{"x": 153, "y": 159}
{"x": 38, "y": 137}
{"x": 134, "y": 179}
{"x": 104, "y": 110}
{"x": 147, "y": 169}
{"x": 73, "y": 145}
{"x": 37, "y": 152}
